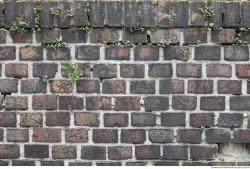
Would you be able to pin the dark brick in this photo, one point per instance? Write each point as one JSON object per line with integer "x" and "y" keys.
{"x": 194, "y": 35}
{"x": 117, "y": 53}
{"x": 57, "y": 118}
{"x": 52, "y": 163}
{"x": 23, "y": 163}
{"x": 93, "y": 153}
{"x": 162, "y": 12}
{"x": 119, "y": 153}
{"x": 31, "y": 53}
{"x": 17, "y": 135}
{"x": 16, "y": 103}
{"x": 41, "y": 69}
{"x": 134, "y": 36}
{"x": 136, "y": 163}
{"x": 63, "y": 152}
{"x": 80, "y": 9}
{"x": 87, "y": 52}
{"x": 47, "y": 20}
{"x": 7, "y": 53}
{"x": 16, "y": 70}
{"x": 48, "y": 35}
{"x": 105, "y": 71}
{"x": 142, "y": 87}
{"x": 22, "y": 37}
{"x": 31, "y": 119}
{"x": 44, "y": 102}
{"x": 234, "y": 53}
{"x": 8, "y": 85}
{"x": 143, "y": 119}
{"x": 146, "y": 53}
{"x": 105, "y": 136}
{"x": 131, "y": 14}
{"x": 33, "y": 86}
{"x": 160, "y": 70}
{"x": 221, "y": 163}
{"x": 51, "y": 135}
{"x": 241, "y": 136}
{"x": 83, "y": 69}
{"x": 245, "y": 20}
{"x": 108, "y": 163}
{"x": 78, "y": 135}
{"x": 218, "y": 135}
{"x": 188, "y": 70}
{"x": 166, "y": 162}
{"x": 8, "y": 119}
{"x": 80, "y": 163}
{"x": 114, "y": 13}
{"x": 212, "y": 103}
{"x": 194, "y": 163}
{"x": 127, "y": 103}
{"x": 62, "y": 20}
{"x": 207, "y": 53}
{"x": 70, "y": 103}
{"x": 196, "y": 15}
{"x": 134, "y": 136}
{"x": 98, "y": 103}
{"x": 175, "y": 152}
{"x": 192, "y": 136}
{"x": 217, "y": 17}
{"x": 231, "y": 120}
{"x": 231, "y": 14}
{"x": 114, "y": 86}
{"x": 115, "y": 120}
{"x": 1, "y": 134}
{"x": 169, "y": 36}
{"x": 86, "y": 119}
{"x": 161, "y": 135}
{"x": 103, "y": 35}
{"x": 156, "y": 103}
{"x": 224, "y": 36}
{"x": 88, "y": 86}
{"x": 61, "y": 86}
{"x": 132, "y": 70}
{"x": 36, "y": 151}
{"x": 74, "y": 36}
{"x": 172, "y": 86}
{"x": 218, "y": 70}
{"x": 182, "y": 8}
{"x": 96, "y": 11}
{"x": 147, "y": 152}
{"x": 177, "y": 53}
{"x": 201, "y": 119}
{"x": 229, "y": 87}
{"x": 147, "y": 10}
{"x": 203, "y": 152}
{"x": 184, "y": 102}
{"x": 173, "y": 119}
{"x": 9, "y": 151}
{"x": 2, "y": 36}
{"x": 58, "y": 53}
{"x": 240, "y": 103}
{"x": 200, "y": 86}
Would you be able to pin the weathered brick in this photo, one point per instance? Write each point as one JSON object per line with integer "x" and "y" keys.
{"x": 173, "y": 119}
{"x": 58, "y": 53}
{"x": 221, "y": 163}
{"x": 88, "y": 86}
{"x": 134, "y": 36}
{"x": 218, "y": 70}
{"x": 142, "y": 87}
{"x": 176, "y": 53}
{"x": 231, "y": 120}
{"x": 242, "y": 70}
{"x": 147, "y": 152}
{"x": 87, "y": 52}
{"x": 117, "y": 53}
{"x": 188, "y": 70}
{"x": 31, "y": 53}
{"x": 18, "y": 135}
{"x": 70, "y": 103}
{"x": 114, "y": 13}
{"x": 218, "y": 135}
{"x": 104, "y": 71}
{"x": 234, "y": 53}
{"x": 194, "y": 35}
{"x": 156, "y": 103}
{"x": 171, "y": 36}
{"x": 47, "y": 20}
{"x": 83, "y": 70}
{"x": 80, "y": 10}
{"x": 23, "y": 163}
{"x": 132, "y": 70}
{"x": 80, "y": 163}
{"x": 96, "y": 11}
{"x": 172, "y": 86}
{"x": 195, "y": 163}
{"x": 146, "y": 53}
{"x": 61, "y": 86}
{"x": 184, "y": 102}
{"x": 223, "y": 36}
{"x": 105, "y": 136}
{"x": 143, "y": 119}
{"x": 207, "y": 53}
{"x": 212, "y": 103}
{"x": 175, "y": 152}
{"x": 93, "y": 153}
{"x": 52, "y": 163}
{"x": 241, "y": 136}
{"x": 2, "y": 36}
{"x": 119, "y": 153}
{"x": 166, "y": 162}
{"x": 108, "y": 163}
{"x": 196, "y": 16}
{"x": 203, "y": 152}
{"x": 1, "y": 134}
{"x": 57, "y": 118}
{"x": 136, "y": 163}
{"x": 63, "y": 152}
{"x": 16, "y": 103}
{"x": 161, "y": 135}
{"x": 9, "y": 151}
{"x": 115, "y": 120}
{"x": 78, "y": 135}
{"x": 104, "y": 35}
{"x": 31, "y": 119}
{"x": 62, "y": 20}
{"x": 131, "y": 14}
{"x": 36, "y": 151}
{"x": 16, "y": 70}
{"x": 192, "y": 136}
{"x": 127, "y": 103}
{"x": 44, "y": 102}
{"x": 200, "y": 86}
{"x": 98, "y": 103}
{"x": 147, "y": 10}
{"x": 86, "y": 119}
{"x": 201, "y": 119}
{"x": 229, "y": 87}
{"x": 231, "y": 14}
{"x": 51, "y": 135}
{"x": 240, "y": 103}
{"x": 33, "y": 86}
{"x": 7, "y": 53}
{"x": 42, "y": 69}
{"x": 113, "y": 87}
{"x": 48, "y": 35}
{"x": 245, "y": 20}
{"x": 74, "y": 35}
{"x": 135, "y": 136}
{"x": 160, "y": 70}
{"x": 22, "y": 37}
{"x": 8, "y": 119}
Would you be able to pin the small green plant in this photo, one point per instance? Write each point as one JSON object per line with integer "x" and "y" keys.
{"x": 18, "y": 25}
{"x": 73, "y": 69}
{"x": 153, "y": 29}
{"x": 45, "y": 78}
{"x": 135, "y": 29}
{"x": 207, "y": 13}
{"x": 172, "y": 16}
{"x": 37, "y": 11}
{"x": 211, "y": 26}
{"x": 69, "y": 13}
{"x": 195, "y": 44}
{"x": 87, "y": 27}
{"x": 239, "y": 41}
{"x": 55, "y": 44}
{"x": 55, "y": 11}
{"x": 162, "y": 44}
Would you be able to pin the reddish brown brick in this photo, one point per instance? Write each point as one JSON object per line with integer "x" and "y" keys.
{"x": 117, "y": 53}
{"x": 42, "y": 69}
{"x": 58, "y": 53}
{"x": 146, "y": 53}
{"x": 119, "y": 153}
{"x": 57, "y": 118}
{"x": 63, "y": 152}
{"x": 61, "y": 86}
{"x": 16, "y": 103}
{"x": 22, "y": 37}
{"x": 44, "y": 102}
{"x": 188, "y": 70}
{"x": 31, "y": 53}
{"x": 101, "y": 35}
{"x": 229, "y": 87}
{"x": 243, "y": 71}
{"x": 132, "y": 70}
{"x": 16, "y": 70}
{"x": 200, "y": 86}
{"x": 7, "y": 53}
{"x": 184, "y": 102}
{"x": 113, "y": 87}
{"x": 93, "y": 153}
{"x": 86, "y": 119}
{"x": 8, "y": 85}
{"x": 7, "y": 119}
{"x": 8, "y": 151}
{"x": 31, "y": 119}
{"x": 201, "y": 119}
{"x": 78, "y": 135}
{"x": 46, "y": 135}
{"x": 88, "y": 86}
{"x": 70, "y": 103}
{"x": 115, "y": 120}
{"x": 224, "y": 36}
{"x": 127, "y": 103}
{"x": 98, "y": 103}
{"x": 18, "y": 135}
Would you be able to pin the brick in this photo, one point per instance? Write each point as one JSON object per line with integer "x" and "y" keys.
{"x": 203, "y": 152}
{"x": 16, "y": 70}
{"x": 57, "y": 118}
{"x": 80, "y": 9}
{"x": 184, "y": 102}
{"x": 172, "y": 86}
{"x": 16, "y": 103}
{"x": 242, "y": 70}
{"x": 219, "y": 163}
{"x": 207, "y": 53}
{"x": 88, "y": 86}
{"x": 61, "y": 86}
{"x": 31, "y": 119}
{"x": 119, "y": 153}
{"x": 36, "y": 151}
{"x": 195, "y": 163}
{"x": 131, "y": 14}
{"x": 7, "y": 53}
{"x": 113, "y": 87}
{"x": 147, "y": 152}
{"x": 161, "y": 135}
{"x": 162, "y": 12}
{"x": 245, "y": 7}
{"x": 231, "y": 120}
{"x": 240, "y": 103}
{"x": 44, "y": 102}
{"x": 248, "y": 87}
{"x": 93, "y": 153}
{"x": 51, "y": 135}
{"x": 23, "y": 163}
{"x": 192, "y": 136}
{"x": 142, "y": 87}
{"x": 234, "y": 53}
{"x": 98, "y": 103}
{"x": 181, "y": 53}
{"x": 200, "y": 86}
{"x": 166, "y": 163}
{"x": 9, "y": 151}
{"x": 136, "y": 163}
{"x": 173, "y": 119}
{"x": 127, "y": 103}
{"x": 201, "y": 119}
{"x": 117, "y": 53}
{"x": 232, "y": 14}
{"x": 147, "y": 10}
{"x": 41, "y": 69}
{"x": 160, "y": 70}
{"x": 70, "y": 103}
{"x": 170, "y": 36}
{"x": 134, "y": 36}
{"x": 212, "y": 103}
{"x": 114, "y": 13}
{"x": 134, "y": 136}
{"x": 63, "y": 152}
{"x": 156, "y": 103}
{"x": 48, "y": 35}
{"x": 223, "y": 36}
{"x": 146, "y": 53}
{"x": 194, "y": 35}
{"x": 181, "y": 8}
{"x": 22, "y": 37}
{"x": 17, "y": 135}
{"x": 2, "y": 37}
{"x": 188, "y": 70}
{"x": 52, "y": 163}
{"x": 78, "y": 135}
{"x": 83, "y": 70}
{"x": 175, "y": 152}
{"x": 80, "y": 164}
{"x": 217, "y": 8}
{"x": 87, "y": 52}
{"x": 58, "y": 53}
{"x": 143, "y": 119}
{"x": 47, "y": 20}
{"x": 229, "y": 87}
{"x": 105, "y": 136}
{"x": 218, "y": 70}
{"x": 1, "y": 102}
{"x": 108, "y": 163}
{"x": 86, "y": 119}
{"x": 241, "y": 136}
{"x": 33, "y": 86}
{"x": 105, "y": 71}
{"x": 115, "y": 120}
{"x": 101, "y": 35}
{"x": 218, "y": 135}
{"x": 132, "y": 70}
{"x": 62, "y": 20}
{"x": 74, "y": 36}
{"x": 96, "y": 11}
{"x": 1, "y": 134}
{"x": 196, "y": 16}
{"x": 8, "y": 119}
{"x": 31, "y": 53}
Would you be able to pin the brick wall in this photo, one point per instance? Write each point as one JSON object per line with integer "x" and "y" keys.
{"x": 149, "y": 83}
